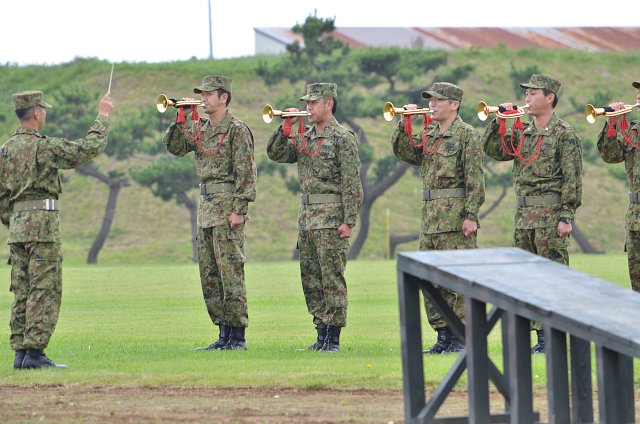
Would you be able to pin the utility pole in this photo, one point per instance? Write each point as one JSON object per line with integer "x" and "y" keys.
{"x": 210, "y": 36}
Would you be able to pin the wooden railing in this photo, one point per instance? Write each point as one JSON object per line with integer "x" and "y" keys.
{"x": 521, "y": 287}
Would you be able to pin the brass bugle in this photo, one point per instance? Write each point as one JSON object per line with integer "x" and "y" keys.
{"x": 591, "y": 112}
{"x": 484, "y": 111}
{"x": 163, "y": 103}
{"x": 389, "y": 111}
{"x": 268, "y": 113}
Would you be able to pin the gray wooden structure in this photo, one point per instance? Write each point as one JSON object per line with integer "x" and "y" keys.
{"x": 521, "y": 287}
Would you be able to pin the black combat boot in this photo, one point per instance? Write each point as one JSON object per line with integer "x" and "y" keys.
{"x": 322, "y": 336}
{"x": 17, "y": 362}
{"x": 454, "y": 344}
{"x": 37, "y": 359}
{"x": 332, "y": 342}
{"x": 442, "y": 343}
{"x": 223, "y": 339}
{"x": 236, "y": 339}
{"x": 539, "y": 348}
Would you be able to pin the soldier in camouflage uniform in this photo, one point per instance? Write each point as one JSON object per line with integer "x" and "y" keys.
{"x": 450, "y": 157}
{"x": 328, "y": 170}
{"x": 621, "y": 145}
{"x": 547, "y": 174}
{"x": 29, "y": 191}
{"x": 227, "y": 173}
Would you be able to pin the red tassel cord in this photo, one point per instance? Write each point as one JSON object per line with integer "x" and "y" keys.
{"x": 431, "y": 150}
{"x": 624, "y": 132}
{"x": 407, "y": 124}
{"x": 611, "y": 132}
{"x": 286, "y": 128}
{"x": 536, "y": 153}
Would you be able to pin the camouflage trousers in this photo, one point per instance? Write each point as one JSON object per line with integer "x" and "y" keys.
{"x": 446, "y": 241}
{"x": 221, "y": 258}
{"x": 632, "y": 247}
{"x": 36, "y": 283}
{"x": 323, "y": 258}
{"x": 543, "y": 242}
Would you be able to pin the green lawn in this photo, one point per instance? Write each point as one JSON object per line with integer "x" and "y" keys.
{"x": 139, "y": 325}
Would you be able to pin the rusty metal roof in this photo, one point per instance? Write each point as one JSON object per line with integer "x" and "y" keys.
{"x": 593, "y": 39}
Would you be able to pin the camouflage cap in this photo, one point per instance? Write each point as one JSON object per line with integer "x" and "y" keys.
{"x": 543, "y": 81}
{"x": 319, "y": 90}
{"x": 636, "y": 84}
{"x": 444, "y": 90}
{"x": 213, "y": 83}
{"x": 27, "y": 99}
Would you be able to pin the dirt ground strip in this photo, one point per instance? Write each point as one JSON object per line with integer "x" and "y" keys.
{"x": 111, "y": 404}
{"x": 160, "y": 404}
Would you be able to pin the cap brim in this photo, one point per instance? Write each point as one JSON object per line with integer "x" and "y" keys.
{"x": 45, "y": 105}
{"x": 430, "y": 94}
{"x": 636, "y": 84}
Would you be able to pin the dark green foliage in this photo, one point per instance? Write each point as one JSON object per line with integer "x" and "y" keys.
{"x": 293, "y": 185}
{"x": 519, "y": 76}
{"x": 166, "y": 176}
{"x": 384, "y": 167}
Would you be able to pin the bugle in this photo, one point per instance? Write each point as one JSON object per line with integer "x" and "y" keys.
{"x": 268, "y": 113}
{"x": 591, "y": 112}
{"x": 389, "y": 111}
{"x": 484, "y": 111}
{"x": 163, "y": 103}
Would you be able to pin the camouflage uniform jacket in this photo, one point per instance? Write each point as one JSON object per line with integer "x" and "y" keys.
{"x": 29, "y": 164}
{"x": 457, "y": 163}
{"x": 557, "y": 170}
{"x": 232, "y": 163}
{"x": 616, "y": 150}
{"x": 335, "y": 170}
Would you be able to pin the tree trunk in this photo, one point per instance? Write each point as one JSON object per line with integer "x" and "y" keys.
{"x": 110, "y": 210}
{"x": 192, "y": 205}
{"x": 583, "y": 241}
{"x": 370, "y": 193}
{"x": 395, "y": 240}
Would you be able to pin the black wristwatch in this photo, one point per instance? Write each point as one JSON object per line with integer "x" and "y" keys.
{"x": 565, "y": 220}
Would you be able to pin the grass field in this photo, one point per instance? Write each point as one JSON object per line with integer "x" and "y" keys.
{"x": 139, "y": 325}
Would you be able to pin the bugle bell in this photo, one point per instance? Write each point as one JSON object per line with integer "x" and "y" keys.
{"x": 591, "y": 112}
{"x": 389, "y": 111}
{"x": 163, "y": 103}
{"x": 268, "y": 113}
{"x": 484, "y": 111}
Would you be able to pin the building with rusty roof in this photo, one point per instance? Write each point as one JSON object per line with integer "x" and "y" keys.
{"x": 592, "y": 39}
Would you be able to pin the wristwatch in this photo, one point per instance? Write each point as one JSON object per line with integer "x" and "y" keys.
{"x": 565, "y": 220}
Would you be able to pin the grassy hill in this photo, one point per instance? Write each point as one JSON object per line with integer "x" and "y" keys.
{"x": 148, "y": 230}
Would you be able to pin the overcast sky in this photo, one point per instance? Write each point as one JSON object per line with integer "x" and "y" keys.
{"x": 57, "y": 31}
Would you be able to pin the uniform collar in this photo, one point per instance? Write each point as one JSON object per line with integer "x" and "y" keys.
{"x": 27, "y": 130}
{"x": 548, "y": 129}
{"x": 327, "y": 130}
{"x": 449, "y": 131}
{"x": 221, "y": 127}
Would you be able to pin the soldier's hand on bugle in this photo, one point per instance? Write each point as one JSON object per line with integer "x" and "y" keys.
{"x": 617, "y": 106}
{"x": 505, "y": 106}
{"x": 407, "y": 107}
{"x": 106, "y": 106}
{"x": 188, "y": 108}
{"x": 294, "y": 119}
